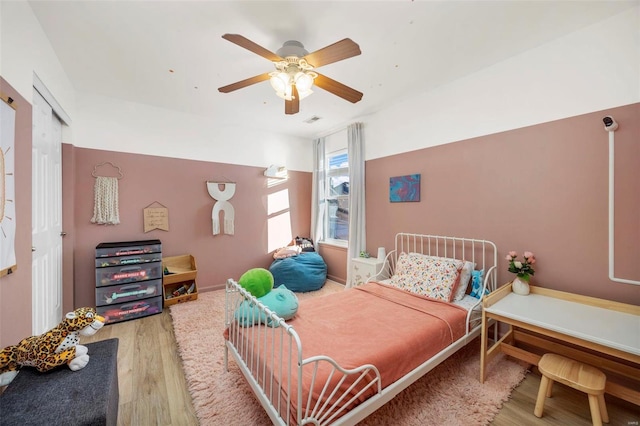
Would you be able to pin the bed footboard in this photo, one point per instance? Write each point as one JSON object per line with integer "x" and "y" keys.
{"x": 271, "y": 359}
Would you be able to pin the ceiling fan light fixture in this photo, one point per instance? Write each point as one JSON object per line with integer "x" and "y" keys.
{"x": 294, "y": 76}
{"x": 304, "y": 80}
{"x": 279, "y": 81}
{"x": 282, "y": 82}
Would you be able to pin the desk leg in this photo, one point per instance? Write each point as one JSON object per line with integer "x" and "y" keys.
{"x": 483, "y": 347}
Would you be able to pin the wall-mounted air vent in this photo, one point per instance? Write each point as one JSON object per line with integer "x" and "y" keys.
{"x": 312, "y": 119}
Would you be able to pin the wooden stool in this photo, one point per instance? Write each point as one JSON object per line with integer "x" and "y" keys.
{"x": 577, "y": 375}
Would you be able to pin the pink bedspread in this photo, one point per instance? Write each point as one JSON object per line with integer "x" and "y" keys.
{"x": 371, "y": 324}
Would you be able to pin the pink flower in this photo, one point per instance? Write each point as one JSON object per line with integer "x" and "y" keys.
{"x": 523, "y": 268}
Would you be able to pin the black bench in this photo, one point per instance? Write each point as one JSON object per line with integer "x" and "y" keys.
{"x": 63, "y": 397}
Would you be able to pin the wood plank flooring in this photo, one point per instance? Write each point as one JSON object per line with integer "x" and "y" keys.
{"x": 153, "y": 390}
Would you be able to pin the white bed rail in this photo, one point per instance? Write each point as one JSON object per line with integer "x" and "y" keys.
{"x": 269, "y": 368}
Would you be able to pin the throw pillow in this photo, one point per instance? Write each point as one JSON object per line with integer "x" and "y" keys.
{"x": 429, "y": 276}
{"x": 465, "y": 278}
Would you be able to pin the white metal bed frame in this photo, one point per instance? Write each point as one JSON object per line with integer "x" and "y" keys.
{"x": 260, "y": 375}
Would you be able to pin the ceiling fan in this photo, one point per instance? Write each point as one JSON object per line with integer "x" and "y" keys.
{"x": 295, "y": 70}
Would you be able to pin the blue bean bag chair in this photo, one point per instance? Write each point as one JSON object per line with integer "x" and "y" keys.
{"x": 304, "y": 272}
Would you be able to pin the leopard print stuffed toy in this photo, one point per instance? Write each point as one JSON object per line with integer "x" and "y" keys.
{"x": 55, "y": 347}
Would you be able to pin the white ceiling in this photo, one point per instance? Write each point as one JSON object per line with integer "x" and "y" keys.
{"x": 126, "y": 49}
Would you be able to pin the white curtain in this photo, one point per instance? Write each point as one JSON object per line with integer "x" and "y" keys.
{"x": 318, "y": 191}
{"x": 357, "y": 225}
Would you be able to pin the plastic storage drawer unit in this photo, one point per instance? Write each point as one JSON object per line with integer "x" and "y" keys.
{"x": 128, "y": 274}
{"x": 128, "y": 248}
{"x": 128, "y": 279}
{"x": 104, "y": 262}
{"x": 108, "y": 295}
{"x": 130, "y": 310}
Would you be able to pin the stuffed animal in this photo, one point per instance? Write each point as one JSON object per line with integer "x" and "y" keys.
{"x": 281, "y": 300}
{"x": 53, "y": 348}
{"x": 257, "y": 281}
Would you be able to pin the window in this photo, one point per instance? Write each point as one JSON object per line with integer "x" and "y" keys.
{"x": 337, "y": 202}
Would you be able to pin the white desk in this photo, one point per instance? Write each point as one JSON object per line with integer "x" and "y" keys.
{"x": 565, "y": 323}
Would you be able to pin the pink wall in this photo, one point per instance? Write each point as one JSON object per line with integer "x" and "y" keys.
{"x": 336, "y": 260}
{"x": 542, "y": 188}
{"x": 180, "y": 186}
{"x": 15, "y": 289}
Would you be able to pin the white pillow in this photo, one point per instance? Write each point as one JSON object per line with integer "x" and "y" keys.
{"x": 465, "y": 278}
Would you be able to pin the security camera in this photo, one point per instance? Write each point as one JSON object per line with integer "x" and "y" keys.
{"x": 610, "y": 124}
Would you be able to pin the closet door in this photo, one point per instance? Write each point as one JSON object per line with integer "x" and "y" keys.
{"x": 46, "y": 221}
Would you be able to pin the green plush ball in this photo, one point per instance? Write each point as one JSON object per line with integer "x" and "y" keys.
{"x": 257, "y": 281}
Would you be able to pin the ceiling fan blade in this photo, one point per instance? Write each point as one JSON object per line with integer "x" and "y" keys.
{"x": 244, "y": 83}
{"x": 249, "y": 45}
{"x": 335, "y": 52}
{"x": 337, "y": 88}
{"x": 292, "y": 106}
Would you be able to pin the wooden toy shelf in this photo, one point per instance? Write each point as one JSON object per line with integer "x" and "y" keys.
{"x": 179, "y": 279}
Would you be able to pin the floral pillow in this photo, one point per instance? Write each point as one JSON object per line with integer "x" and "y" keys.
{"x": 429, "y": 276}
{"x": 476, "y": 284}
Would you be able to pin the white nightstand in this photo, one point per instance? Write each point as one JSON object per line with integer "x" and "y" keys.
{"x": 363, "y": 268}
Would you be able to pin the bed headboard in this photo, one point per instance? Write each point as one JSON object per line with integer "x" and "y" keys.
{"x": 481, "y": 252}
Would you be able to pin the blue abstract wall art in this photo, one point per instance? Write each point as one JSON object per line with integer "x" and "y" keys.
{"x": 404, "y": 188}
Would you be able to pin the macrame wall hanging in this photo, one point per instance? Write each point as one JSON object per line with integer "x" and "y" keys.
{"x": 105, "y": 207}
{"x": 222, "y": 196}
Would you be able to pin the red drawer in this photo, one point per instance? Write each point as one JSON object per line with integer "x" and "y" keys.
{"x": 114, "y": 294}
{"x": 131, "y": 310}
{"x": 128, "y": 274}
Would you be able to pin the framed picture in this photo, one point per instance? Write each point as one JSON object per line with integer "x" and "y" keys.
{"x": 7, "y": 186}
{"x": 404, "y": 188}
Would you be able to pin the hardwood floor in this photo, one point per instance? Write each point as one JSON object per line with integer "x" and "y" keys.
{"x": 566, "y": 407}
{"x": 153, "y": 390}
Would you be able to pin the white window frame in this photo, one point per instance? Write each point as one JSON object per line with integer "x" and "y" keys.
{"x": 329, "y": 172}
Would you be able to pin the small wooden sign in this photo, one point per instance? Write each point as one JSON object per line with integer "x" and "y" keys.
{"x": 156, "y": 218}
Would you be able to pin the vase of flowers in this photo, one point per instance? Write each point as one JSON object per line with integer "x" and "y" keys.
{"x": 523, "y": 270}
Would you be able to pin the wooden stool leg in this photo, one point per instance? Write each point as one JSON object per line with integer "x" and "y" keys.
{"x": 603, "y": 409}
{"x": 549, "y": 387}
{"x": 544, "y": 386}
{"x": 594, "y": 405}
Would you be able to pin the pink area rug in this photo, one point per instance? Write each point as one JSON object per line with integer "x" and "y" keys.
{"x": 451, "y": 394}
